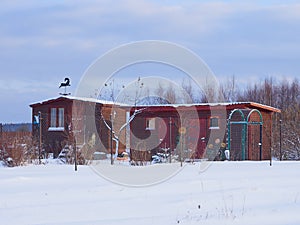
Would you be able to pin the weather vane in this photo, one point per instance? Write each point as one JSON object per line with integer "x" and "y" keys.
{"x": 65, "y": 85}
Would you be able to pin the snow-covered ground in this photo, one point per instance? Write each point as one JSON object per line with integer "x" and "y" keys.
{"x": 226, "y": 193}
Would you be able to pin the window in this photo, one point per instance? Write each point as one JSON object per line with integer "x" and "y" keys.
{"x": 214, "y": 123}
{"x": 53, "y": 117}
{"x": 61, "y": 117}
{"x": 56, "y": 119}
{"x": 150, "y": 124}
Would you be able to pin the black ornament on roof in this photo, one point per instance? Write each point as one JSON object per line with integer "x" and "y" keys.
{"x": 65, "y": 85}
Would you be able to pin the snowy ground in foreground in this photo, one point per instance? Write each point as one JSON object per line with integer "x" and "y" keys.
{"x": 226, "y": 193}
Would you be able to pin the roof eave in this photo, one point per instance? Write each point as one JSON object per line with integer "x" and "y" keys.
{"x": 265, "y": 107}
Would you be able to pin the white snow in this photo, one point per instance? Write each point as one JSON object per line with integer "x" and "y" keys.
{"x": 84, "y": 99}
{"x": 56, "y": 129}
{"x": 2, "y": 163}
{"x": 259, "y": 105}
{"x": 225, "y": 193}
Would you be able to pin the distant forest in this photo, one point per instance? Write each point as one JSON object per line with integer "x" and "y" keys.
{"x": 15, "y": 127}
{"x": 281, "y": 94}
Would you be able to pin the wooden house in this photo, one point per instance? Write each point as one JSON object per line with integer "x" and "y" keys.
{"x": 202, "y": 130}
{"x": 193, "y": 131}
{"x": 63, "y": 120}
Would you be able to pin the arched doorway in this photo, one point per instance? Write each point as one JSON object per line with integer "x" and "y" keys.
{"x": 244, "y": 134}
{"x": 254, "y": 135}
{"x": 236, "y": 134}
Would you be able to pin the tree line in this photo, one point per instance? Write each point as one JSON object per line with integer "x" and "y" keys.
{"x": 281, "y": 94}
{"x": 284, "y": 95}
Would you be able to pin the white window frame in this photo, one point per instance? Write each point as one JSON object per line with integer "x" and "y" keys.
{"x": 210, "y": 122}
{"x": 57, "y": 119}
{"x": 53, "y": 117}
{"x": 61, "y": 117}
{"x": 150, "y": 123}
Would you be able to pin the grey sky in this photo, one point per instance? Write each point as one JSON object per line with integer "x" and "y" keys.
{"x": 41, "y": 42}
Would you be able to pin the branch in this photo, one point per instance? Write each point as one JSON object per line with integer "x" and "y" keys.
{"x": 136, "y": 112}
{"x": 108, "y": 127}
{"x": 115, "y": 136}
{"x": 290, "y": 142}
{"x": 106, "y": 124}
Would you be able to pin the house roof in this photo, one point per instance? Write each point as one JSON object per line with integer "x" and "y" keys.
{"x": 208, "y": 106}
{"x": 165, "y": 106}
{"x": 68, "y": 97}
{"x": 266, "y": 107}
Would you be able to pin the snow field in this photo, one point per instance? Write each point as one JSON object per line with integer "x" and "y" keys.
{"x": 225, "y": 193}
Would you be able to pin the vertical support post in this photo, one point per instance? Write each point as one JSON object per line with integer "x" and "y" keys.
{"x": 1, "y": 130}
{"x": 181, "y": 149}
{"x": 271, "y": 155}
{"x": 75, "y": 154}
{"x": 170, "y": 139}
{"x": 280, "y": 138}
{"x": 127, "y": 138}
{"x": 40, "y": 135}
{"x": 229, "y": 135}
{"x": 244, "y": 133}
{"x": 111, "y": 140}
{"x": 84, "y": 129}
{"x": 260, "y": 141}
{"x": 182, "y": 131}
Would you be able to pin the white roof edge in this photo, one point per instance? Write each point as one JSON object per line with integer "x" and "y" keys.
{"x": 214, "y": 104}
{"x": 94, "y": 100}
{"x": 197, "y": 104}
{"x": 162, "y": 105}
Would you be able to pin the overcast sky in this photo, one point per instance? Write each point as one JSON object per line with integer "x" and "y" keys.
{"x": 41, "y": 42}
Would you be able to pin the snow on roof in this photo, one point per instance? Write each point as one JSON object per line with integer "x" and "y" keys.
{"x": 95, "y": 100}
{"x": 105, "y": 102}
{"x": 254, "y": 104}
{"x": 84, "y": 99}
{"x": 270, "y": 108}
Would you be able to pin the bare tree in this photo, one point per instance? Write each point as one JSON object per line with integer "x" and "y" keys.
{"x": 170, "y": 95}
{"x": 229, "y": 89}
{"x": 132, "y": 98}
{"x": 268, "y": 91}
{"x": 284, "y": 95}
{"x": 159, "y": 95}
{"x": 191, "y": 92}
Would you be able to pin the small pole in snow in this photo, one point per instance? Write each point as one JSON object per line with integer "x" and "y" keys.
{"x": 271, "y": 156}
{"x": 0, "y": 134}
{"x": 182, "y": 131}
{"x": 75, "y": 154}
{"x": 40, "y": 135}
{"x": 181, "y": 149}
{"x": 280, "y": 137}
{"x": 170, "y": 132}
{"x": 111, "y": 140}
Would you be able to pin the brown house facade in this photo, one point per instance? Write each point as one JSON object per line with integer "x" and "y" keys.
{"x": 191, "y": 131}
{"x": 66, "y": 120}
{"x": 201, "y": 130}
